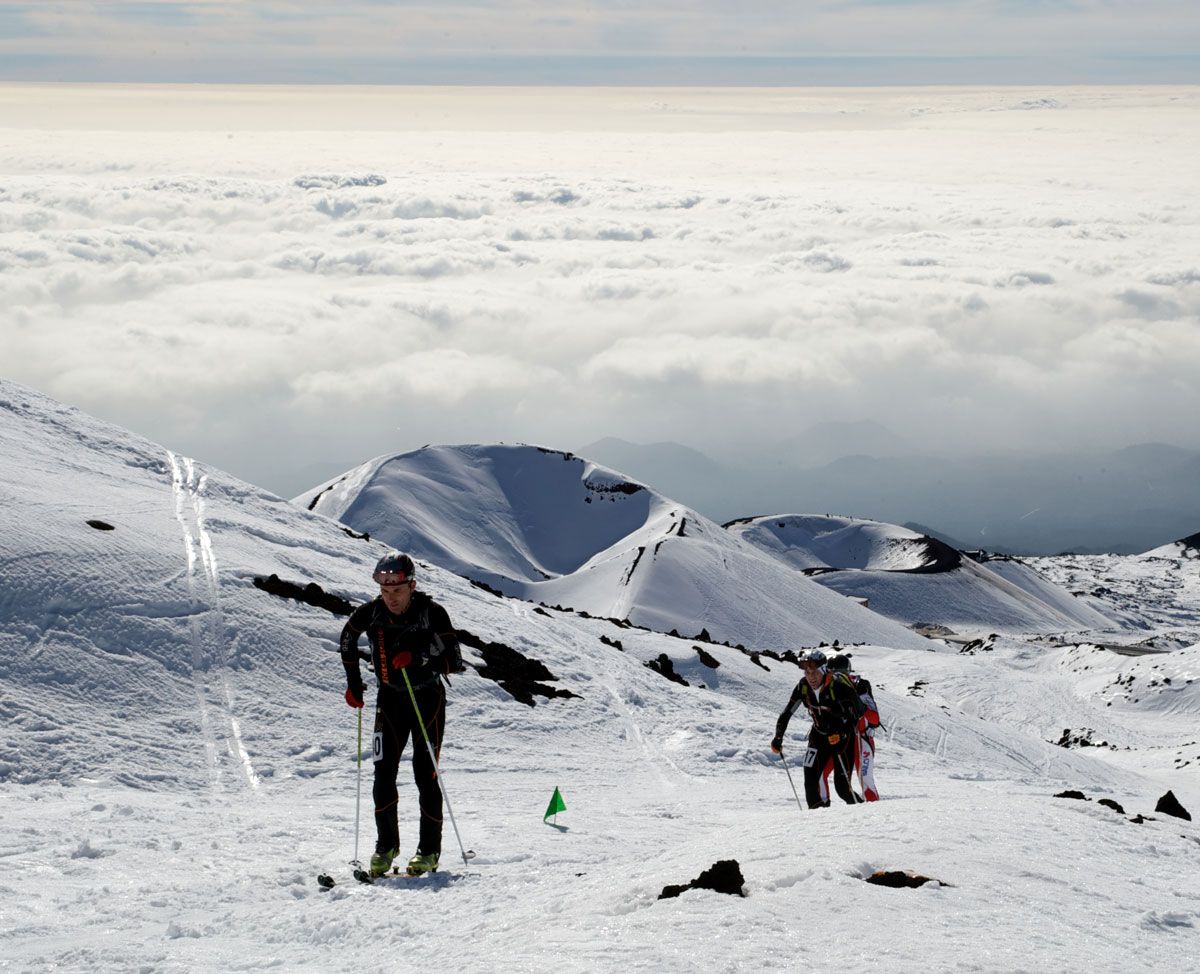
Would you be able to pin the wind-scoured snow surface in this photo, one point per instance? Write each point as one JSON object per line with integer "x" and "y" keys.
{"x": 917, "y": 579}
{"x": 177, "y": 765}
{"x": 552, "y": 527}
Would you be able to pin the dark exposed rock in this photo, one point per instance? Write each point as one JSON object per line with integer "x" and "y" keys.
{"x": 1191, "y": 541}
{"x": 938, "y": 557}
{"x": 614, "y": 643}
{"x": 723, "y": 876}
{"x": 664, "y": 667}
{"x": 1082, "y": 738}
{"x": 310, "y": 594}
{"x": 895, "y": 879}
{"x": 1169, "y": 805}
{"x": 487, "y": 588}
{"x": 1109, "y": 803}
{"x": 621, "y": 488}
{"x": 707, "y": 658}
{"x": 100, "y": 525}
{"x": 312, "y": 504}
{"x": 633, "y": 567}
{"x": 516, "y": 673}
{"x": 1077, "y": 795}
{"x": 365, "y": 536}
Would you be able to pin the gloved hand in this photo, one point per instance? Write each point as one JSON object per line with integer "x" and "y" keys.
{"x": 777, "y": 745}
{"x": 354, "y": 697}
{"x": 402, "y": 660}
{"x": 835, "y": 738}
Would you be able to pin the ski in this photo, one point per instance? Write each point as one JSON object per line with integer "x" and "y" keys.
{"x": 325, "y": 881}
{"x": 366, "y": 878}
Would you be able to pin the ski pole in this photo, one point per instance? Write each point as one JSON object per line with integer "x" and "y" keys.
{"x": 466, "y": 855}
{"x": 790, "y": 782}
{"x": 358, "y": 794}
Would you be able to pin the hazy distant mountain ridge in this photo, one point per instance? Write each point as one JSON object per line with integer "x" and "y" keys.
{"x": 823, "y": 443}
{"x": 1125, "y": 500}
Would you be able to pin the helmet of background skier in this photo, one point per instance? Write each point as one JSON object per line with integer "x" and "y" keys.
{"x": 394, "y": 568}
{"x": 840, "y": 663}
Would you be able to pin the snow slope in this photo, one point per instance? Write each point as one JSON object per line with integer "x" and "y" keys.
{"x": 177, "y": 763}
{"x": 1188, "y": 547}
{"x": 551, "y": 527}
{"x": 1156, "y": 594}
{"x": 916, "y": 579}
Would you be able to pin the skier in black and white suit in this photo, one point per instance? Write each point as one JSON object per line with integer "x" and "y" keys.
{"x": 832, "y": 703}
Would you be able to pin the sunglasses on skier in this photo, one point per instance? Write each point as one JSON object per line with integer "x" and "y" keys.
{"x": 391, "y": 579}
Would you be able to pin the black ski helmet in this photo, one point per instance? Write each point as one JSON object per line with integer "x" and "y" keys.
{"x": 840, "y": 663}
{"x": 394, "y": 568}
{"x": 813, "y": 656}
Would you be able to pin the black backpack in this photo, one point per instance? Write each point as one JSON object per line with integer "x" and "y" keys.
{"x": 855, "y": 708}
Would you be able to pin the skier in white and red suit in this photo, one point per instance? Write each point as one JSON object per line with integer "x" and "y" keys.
{"x": 864, "y": 751}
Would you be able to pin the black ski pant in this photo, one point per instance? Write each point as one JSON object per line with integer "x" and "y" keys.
{"x": 828, "y": 756}
{"x": 395, "y": 723}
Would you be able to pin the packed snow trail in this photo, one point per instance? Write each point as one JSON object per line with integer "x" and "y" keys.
{"x": 210, "y": 657}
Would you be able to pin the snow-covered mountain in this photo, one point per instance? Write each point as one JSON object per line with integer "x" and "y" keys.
{"x": 1188, "y": 547}
{"x": 917, "y": 579}
{"x": 552, "y": 527}
{"x": 1155, "y": 593}
{"x": 177, "y": 764}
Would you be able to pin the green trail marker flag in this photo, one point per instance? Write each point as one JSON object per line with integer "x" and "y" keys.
{"x": 556, "y": 804}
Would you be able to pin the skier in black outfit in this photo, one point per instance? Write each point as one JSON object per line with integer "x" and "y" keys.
{"x": 409, "y": 633}
{"x": 832, "y": 703}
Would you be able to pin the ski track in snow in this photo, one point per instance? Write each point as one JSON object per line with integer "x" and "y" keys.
{"x": 210, "y": 654}
{"x": 652, "y": 758}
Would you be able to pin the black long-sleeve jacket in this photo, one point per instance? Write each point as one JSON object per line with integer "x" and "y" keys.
{"x": 834, "y": 706}
{"x": 420, "y": 640}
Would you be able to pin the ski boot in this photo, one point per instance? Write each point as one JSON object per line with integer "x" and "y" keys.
{"x": 381, "y": 862}
{"x": 423, "y": 863}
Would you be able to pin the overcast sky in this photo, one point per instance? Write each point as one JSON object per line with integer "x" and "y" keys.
{"x": 622, "y": 42}
{"x": 281, "y": 282}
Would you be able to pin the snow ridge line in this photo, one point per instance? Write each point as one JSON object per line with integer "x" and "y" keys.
{"x": 208, "y": 647}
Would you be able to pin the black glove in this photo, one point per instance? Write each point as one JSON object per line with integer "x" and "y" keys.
{"x": 777, "y": 745}
{"x": 354, "y": 696}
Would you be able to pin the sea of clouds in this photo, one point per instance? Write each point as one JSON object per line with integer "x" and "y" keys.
{"x": 271, "y": 288}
